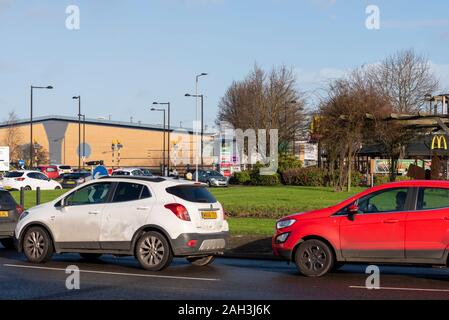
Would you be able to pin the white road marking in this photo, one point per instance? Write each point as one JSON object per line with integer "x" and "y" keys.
{"x": 401, "y": 289}
{"x": 113, "y": 273}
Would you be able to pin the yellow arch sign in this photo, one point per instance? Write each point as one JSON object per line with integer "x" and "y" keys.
{"x": 439, "y": 142}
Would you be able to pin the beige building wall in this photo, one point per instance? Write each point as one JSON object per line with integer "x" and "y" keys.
{"x": 141, "y": 147}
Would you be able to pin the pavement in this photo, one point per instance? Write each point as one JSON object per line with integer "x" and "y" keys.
{"x": 225, "y": 279}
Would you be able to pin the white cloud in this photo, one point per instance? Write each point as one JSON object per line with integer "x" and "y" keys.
{"x": 317, "y": 78}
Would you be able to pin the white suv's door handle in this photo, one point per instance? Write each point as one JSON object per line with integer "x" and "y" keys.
{"x": 94, "y": 212}
{"x": 142, "y": 208}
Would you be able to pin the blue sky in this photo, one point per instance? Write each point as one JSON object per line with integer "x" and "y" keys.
{"x": 130, "y": 53}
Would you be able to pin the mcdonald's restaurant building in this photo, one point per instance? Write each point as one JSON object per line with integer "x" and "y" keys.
{"x": 117, "y": 144}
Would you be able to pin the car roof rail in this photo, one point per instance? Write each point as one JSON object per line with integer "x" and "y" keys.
{"x": 149, "y": 179}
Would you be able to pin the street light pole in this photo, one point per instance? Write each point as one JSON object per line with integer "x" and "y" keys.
{"x": 31, "y": 123}
{"x": 202, "y": 127}
{"x": 163, "y": 144}
{"x": 196, "y": 131}
{"x": 79, "y": 130}
{"x": 168, "y": 129}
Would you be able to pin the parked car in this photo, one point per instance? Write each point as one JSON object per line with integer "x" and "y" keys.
{"x": 404, "y": 222}
{"x": 29, "y": 180}
{"x": 211, "y": 177}
{"x": 146, "y": 172}
{"x": 132, "y": 172}
{"x": 62, "y": 168}
{"x": 50, "y": 171}
{"x": 10, "y": 212}
{"x": 72, "y": 180}
{"x": 153, "y": 219}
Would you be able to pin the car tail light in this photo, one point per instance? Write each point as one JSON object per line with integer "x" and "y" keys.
{"x": 179, "y": 210}
{"x": 19, "y": 179}
{"x": 19, "y": 209}
{"x": 191, "y": 243}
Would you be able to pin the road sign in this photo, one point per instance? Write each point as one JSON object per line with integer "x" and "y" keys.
{"x": 100, "y": 171}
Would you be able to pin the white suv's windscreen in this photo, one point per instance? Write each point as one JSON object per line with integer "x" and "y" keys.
{"x": 192, "y": 193}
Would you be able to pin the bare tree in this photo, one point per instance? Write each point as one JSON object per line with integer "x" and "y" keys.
{"x": 406, "y": 78}
{"x": 40, "y": 154}
{"x": 13, "y": 136}
{"x": 265, "y": 101}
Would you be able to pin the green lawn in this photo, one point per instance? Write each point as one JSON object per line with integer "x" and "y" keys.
{"x": 253, "y": 210}
{"x": 275, "y": 202}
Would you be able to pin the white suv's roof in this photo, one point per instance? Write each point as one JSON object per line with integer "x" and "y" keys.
{"x": 127, "y": 169}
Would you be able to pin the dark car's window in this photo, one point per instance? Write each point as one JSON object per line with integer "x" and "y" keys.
{"x": 7, "y": 202}
{"x": 91, "y": 194}
{"x": 129, "y": 191}
{"x": 13, "y": 174}
{"x": 432, "y": 198}
{"x": 76, "y": 175}
{"x": 121, "y": 173}
{"x": 391, "y": 200}
{"x": 192, "y": 193}
{"x": 65, "y": 167}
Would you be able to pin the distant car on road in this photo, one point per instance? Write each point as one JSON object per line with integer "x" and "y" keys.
{"x": 62, "y": 168}
{"x": 153, "y": 219}
{"x": 29, "y": 180}
{"x": 146, "y": 172}
{"x": 50, "y": 171}
{"x": 10, "y": 212}
{"x": 397, "y": 223}
{"x": 132, "y": 172}
{"x": 211, "y": 177}
{"x": 72, "y": 180}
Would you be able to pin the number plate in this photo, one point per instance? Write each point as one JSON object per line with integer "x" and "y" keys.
{"x": 209, "y": 214}
{"x": 4, "y": 214}
{"x": 70, "y": 182}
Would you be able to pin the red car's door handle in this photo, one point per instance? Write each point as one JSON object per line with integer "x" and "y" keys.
{"x": 391, "y": 221}
{"x": 446, "y": 218}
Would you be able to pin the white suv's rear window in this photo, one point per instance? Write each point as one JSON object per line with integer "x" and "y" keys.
{"x": 190, "y": 193}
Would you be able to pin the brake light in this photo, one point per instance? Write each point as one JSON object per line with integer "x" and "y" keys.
{"x": 19, "y": 209}
{"x": 179, "y": 210}
{"x": 19, "y": 179}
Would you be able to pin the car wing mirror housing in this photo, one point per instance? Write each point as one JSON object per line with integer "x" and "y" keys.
{"x": 352, "y": 211}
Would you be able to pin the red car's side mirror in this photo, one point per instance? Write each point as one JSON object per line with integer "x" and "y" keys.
{"x": 353, "y": 210}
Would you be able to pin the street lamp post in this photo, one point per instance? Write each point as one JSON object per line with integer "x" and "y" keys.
{"x": 202, "y": 126}
{"x": 84, "y": 138}
{"x": 31, "y": 123}
{"x": 168, "y": 129}
{"x": 163, "y": 144}
{"x": 79, "y": 130}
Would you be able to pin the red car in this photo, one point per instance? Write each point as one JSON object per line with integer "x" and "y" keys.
{"x": 397, "y": 223}
{"x": 50, "y": 171}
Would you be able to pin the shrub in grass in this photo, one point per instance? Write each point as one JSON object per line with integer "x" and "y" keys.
{"x": 261, "y": 180}
{"x": 241, "y": 178}
{"x": 309, "y": 177}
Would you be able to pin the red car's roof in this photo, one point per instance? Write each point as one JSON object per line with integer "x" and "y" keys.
{"x": 415, "y": 183}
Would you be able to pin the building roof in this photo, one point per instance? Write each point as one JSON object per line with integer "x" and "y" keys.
{"x": 101, "y": 122}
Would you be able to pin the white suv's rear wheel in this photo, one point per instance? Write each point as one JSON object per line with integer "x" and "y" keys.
{"x": 153, "y": 251}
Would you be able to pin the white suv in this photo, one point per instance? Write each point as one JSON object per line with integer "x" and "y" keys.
{"x": 153, "y": 219}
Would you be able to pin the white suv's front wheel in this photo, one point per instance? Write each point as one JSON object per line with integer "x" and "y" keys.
{"x": 153, "y": 251}
{"x": 37, "y": 245}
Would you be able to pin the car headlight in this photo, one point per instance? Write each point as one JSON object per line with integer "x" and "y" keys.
{"x": 282, "y": 238}
{"x": 213, "y": 180}
{"x": 285, "y": 223}
{"x": 23, "y": 215}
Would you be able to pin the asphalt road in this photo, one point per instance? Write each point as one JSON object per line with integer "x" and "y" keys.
{"x": 122, "y": 278}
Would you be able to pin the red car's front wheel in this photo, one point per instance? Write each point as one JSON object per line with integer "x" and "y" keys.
{"x": 314, "y": 258}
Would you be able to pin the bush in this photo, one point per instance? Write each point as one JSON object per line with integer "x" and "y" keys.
{"x": 260, "y": 180}
{"x": 385, "y": 178}
{"x": 287, "y": 162}
{"x": 242, "y": 178}
{"x": 309, "y": 177}
{"x": 357, "y": 179}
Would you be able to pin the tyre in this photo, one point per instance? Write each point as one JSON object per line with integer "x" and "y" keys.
{"x": 8, "y": 243}
{"x": 201, "y": 261}
{"x": 58, "y": 188}
{"x": 27, "y": 188}
{"x": 90, "y": 256}
{"x": 37, "y": 245}
{"x": 314, "y": 258}
{"x": 209, "y": 184}
{"x": 153, "y": 251}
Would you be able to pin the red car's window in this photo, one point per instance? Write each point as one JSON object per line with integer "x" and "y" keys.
{"x": 433, "y": 198}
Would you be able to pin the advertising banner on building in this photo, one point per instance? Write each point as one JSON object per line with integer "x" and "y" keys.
{"x": 382, "y": 166}
{"x": 4, "y": 158}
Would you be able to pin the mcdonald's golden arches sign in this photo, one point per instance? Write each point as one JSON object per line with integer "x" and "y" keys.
{"x": 439, "y": 142}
